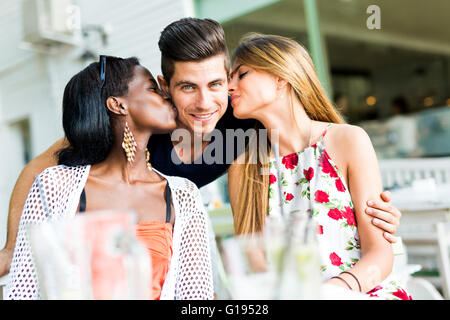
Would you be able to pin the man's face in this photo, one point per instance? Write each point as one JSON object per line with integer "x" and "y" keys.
{"x": 199, "y": 90}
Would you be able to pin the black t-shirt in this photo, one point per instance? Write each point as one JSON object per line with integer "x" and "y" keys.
{"x": 161, "y": 147}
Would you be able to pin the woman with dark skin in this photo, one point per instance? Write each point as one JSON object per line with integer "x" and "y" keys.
{"x": 110, "y": 110}
{"x": 120, "y": 184}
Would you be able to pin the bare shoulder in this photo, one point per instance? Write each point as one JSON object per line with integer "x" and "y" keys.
{"x": 348, "y": 144}
{"x": 347, "y": 130}
{"x": 348, "y": 136}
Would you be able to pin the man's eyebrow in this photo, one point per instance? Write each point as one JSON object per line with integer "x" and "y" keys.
{"x": 187, "y": 82}
{"x": 235, "y": 70}
{"x": 218, "y": 80}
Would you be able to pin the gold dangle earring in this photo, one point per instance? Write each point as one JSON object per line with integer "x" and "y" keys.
{"x": 147, "y": 157}
{"x": 129, "y": 143}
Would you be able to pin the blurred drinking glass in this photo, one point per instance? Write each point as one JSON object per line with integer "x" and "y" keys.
{"x": 92, "y": 256}
{"x": 246, "y": 264}
{"x": 282, "y": 262}
{"x": 293, "y": 246}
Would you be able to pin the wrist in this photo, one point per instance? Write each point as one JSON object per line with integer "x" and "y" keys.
{"x": 352, "y": 280}
{"x": 336, "y": 282}
{"x": 341, "y": 282}
{"x": 7, "y": 250}
{"x": 6, "y": 255}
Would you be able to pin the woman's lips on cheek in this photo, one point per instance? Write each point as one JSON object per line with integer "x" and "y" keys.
{"x": 233, "y": 99}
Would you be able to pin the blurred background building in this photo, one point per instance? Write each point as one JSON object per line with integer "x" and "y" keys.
{"x": 367, "y": 71}
{"x": 393, "y": 80}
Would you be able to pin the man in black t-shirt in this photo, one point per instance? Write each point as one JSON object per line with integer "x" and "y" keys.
{"x": 195, "y": 65}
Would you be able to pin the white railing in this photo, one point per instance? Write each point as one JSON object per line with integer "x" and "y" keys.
{"x": 402, "y": 172}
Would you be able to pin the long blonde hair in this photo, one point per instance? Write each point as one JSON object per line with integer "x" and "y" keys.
{"x": 287, "y": 59}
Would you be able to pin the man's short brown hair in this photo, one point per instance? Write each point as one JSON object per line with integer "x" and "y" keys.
{"x": 191, "y": 39}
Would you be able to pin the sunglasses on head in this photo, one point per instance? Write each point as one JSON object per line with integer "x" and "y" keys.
{"x": 102, "y": 69}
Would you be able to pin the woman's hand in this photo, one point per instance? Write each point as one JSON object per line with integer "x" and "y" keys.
{"x": 385, "y": 216}
{"x": 6, "y": 256}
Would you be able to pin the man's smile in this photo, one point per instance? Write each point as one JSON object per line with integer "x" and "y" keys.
{"x": 203, "y": 116}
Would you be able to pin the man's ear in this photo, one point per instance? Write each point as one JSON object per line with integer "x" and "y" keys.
{"x": 163, "y": 85}
{"x": 116, "y": 106}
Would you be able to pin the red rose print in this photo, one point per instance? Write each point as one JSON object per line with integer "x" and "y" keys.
{"x": 321, "y": 196}
{"x": 375, "y": 289}
{"x": 350, "y": 216}
{"x": 326, "y": 165}
{"x": 339, "y": 185}
{"x": 309, "y": 174}
{"x": 400, "y": 293}
{"x": 319, "y": 229}
{"x": 335, "y": 214}
{"x": 290, "y": 161}
{"x": 272, "y": 179}
{"x": 289, "y": 196}
{"x": 372, "y": 292}
{"x": 335, "y": 259}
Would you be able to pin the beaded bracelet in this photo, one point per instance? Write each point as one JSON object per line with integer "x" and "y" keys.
{"x": 337, "y": 277}
{"x": 354, "y": 277}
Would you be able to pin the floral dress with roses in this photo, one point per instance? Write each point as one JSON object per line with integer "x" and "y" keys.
{"x": 312, "y": 173}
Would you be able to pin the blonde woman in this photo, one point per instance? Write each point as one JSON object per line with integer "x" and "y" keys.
{"x": 329, "y": 169}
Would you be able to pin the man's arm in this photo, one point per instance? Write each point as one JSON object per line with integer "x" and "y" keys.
{"x": 19, "y": 196}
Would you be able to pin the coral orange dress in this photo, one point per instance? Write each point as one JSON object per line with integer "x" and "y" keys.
{"x": 157, "y": 238}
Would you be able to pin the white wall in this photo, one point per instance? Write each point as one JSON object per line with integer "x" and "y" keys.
{"x": 32, "y": 84}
